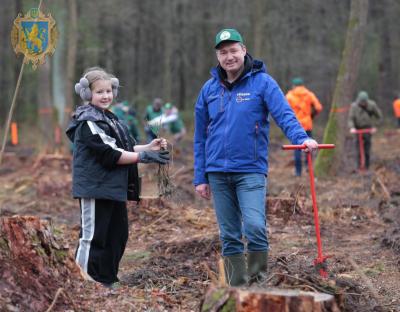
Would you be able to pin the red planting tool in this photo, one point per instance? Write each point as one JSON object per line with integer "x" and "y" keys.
{"x": 320, "y": 261}
{"x": 360, "y": 133}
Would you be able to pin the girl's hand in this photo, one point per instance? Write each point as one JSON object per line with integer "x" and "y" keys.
{"x": 158, "y": 144}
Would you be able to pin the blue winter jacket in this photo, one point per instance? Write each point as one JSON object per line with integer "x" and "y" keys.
{"x": 232, "y": 126}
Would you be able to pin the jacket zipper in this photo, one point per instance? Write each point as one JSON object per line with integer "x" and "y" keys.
{"x": 221, "y": 101}
{"x": 111, "y": 122}
{"x": 255, "y": 141}
{"x": 226, "y": 128}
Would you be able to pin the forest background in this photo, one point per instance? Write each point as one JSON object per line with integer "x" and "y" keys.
{"x": 160, "y": 48}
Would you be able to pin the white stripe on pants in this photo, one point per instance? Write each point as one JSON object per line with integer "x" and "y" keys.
{"x": 87, "y": 220}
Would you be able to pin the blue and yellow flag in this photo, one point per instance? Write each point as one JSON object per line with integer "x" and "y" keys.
{"x": 34, "y": 35}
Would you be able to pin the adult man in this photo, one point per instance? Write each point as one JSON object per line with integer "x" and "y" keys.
{"x": 153, "y": 111}
{"x": 230, "y": 150}
{"x": 364, "y": 114}
{"x": 306, "y": 106}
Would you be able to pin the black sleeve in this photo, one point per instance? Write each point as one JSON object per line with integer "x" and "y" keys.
{"x": 101, "y": 144}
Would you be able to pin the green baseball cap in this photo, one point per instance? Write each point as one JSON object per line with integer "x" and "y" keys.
{"x": 298, "y": 81}
{"x": 362, "y": 96}
{"x": 228, "y": 34}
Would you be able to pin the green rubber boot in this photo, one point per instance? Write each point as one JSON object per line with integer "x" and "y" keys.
{"x": 257, "y": 266}
{"x": 235, "y": 270}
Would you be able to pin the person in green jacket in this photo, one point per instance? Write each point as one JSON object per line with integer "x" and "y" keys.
{"x": 364, "y": 114}
{"x": 127, "y": 115}
{"x": 153, "y": 111}
{"x": 175, "y": 126}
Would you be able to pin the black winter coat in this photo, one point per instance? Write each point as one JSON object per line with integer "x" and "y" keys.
{"x": 99, "y": 139}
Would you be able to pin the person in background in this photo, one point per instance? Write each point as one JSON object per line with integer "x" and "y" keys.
{"x": 127, "y": 114}
{"x": 231, "y": 152}
{"x": 170, "y": 121}
{"x": 396, "y": 109}
{"x": 175, "y": 125}
{"x": 105, "y": 175}
{"x": 306, "y": 106}
{"x": 364, "y": 114}
{"x": 153, "y": 111}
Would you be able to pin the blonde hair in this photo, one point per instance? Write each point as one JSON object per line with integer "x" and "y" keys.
{"x": 91, "y": 75}
{"x": 94, "y": 74}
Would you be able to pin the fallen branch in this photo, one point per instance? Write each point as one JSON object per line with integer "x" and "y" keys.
{"x": 154, "y": 222}
{"x": 386, "y": 193}
{"x": 210, "y": 273}
{"x": 177, "y": 171}
{"x": 317, "y": 287}
{"x": 296, "y": 197}
{"x": 58, "y": 293}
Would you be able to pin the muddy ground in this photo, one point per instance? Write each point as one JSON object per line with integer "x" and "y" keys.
{"x": 173, "y": 250}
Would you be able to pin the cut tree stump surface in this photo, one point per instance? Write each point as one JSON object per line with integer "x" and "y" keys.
{"x": 270, "y": 300}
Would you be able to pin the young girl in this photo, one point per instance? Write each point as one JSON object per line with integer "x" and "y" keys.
{"x": 105, "y": 175}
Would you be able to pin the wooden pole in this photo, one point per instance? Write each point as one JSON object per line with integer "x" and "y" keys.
{"x": 10, "y": 113}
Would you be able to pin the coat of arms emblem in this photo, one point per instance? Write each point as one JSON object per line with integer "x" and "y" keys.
{"x": 35, "y": 36}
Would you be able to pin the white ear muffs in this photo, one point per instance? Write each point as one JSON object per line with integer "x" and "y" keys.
{"x": 115, "y": 86}
{"x": 83, "y": 90}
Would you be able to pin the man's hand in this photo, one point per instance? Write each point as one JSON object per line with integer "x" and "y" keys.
{"x": 373, "y": 130}
{"x": 353, "y": 130}
{"x": 160, "y": 157}
{"x": 203, "y": 190}
{"x": 311, "y": 145}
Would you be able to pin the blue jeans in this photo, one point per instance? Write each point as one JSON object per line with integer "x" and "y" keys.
{"x": 239, "y": 203}
{"x": 297, "y": 158}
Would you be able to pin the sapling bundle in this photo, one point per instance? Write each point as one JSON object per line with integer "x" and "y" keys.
{"x": 164, "y": 182}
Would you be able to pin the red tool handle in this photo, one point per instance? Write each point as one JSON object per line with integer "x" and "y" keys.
{"x": 320, "y": 261}
{"x": 369, "y": 130}
{"x": 302, "y": 146}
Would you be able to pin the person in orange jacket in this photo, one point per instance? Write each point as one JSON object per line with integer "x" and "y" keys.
{"x": 396, "y": 108}
{"x": 306, "y": 106}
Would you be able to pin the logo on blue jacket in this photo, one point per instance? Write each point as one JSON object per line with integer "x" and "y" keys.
{"x": 242, "y": 97}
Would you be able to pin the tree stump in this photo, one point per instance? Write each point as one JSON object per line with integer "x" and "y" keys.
{"x": 270, "y": 300}
{"x": 33, "y": 264}
{"x": 285, "y": 207}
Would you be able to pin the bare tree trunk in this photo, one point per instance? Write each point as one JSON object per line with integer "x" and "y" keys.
{"x": 138, "y": 40}
{"x": 386, "y": 77}
{"x": 46, "y": 109}
{"x": 58, "y": 64}
{"x": 17, "y": 65}
{"x": 71, "y": 60}
{"x": 168, "y": 51}
{"x": 329, "y": 161}
{"x": 259, "y": 27}
{"x": 9, "y": 64}
{"x": 180, "y": 53}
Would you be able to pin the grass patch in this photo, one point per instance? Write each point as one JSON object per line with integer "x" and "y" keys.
{"x": 136, "y": 256}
